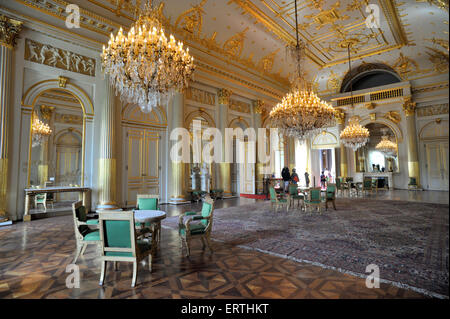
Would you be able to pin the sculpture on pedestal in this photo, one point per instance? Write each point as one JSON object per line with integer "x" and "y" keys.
{"x": 205, "y": 178}
{"x": 195, "y": 178}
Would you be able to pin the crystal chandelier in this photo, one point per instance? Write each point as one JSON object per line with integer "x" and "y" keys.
{"x": 301, "y": 113}
{"x": 353, "y": 135}
{"x": 387, "y": 146}
{"x": 144, "y": 66}
{"x": 39, "y": 131}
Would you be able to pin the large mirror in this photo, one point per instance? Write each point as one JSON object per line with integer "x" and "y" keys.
{"x": 56, "y": 145}
{"x": 373, "y": 157}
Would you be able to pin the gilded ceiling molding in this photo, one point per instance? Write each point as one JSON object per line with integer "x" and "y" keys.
{"x": 390, "y": 9}
{"x": 405, "y": 66}
{"x": 441, "y": 4}
{"x": 266, "y": 63}
{"x": 234, "y": 45}
{"x": 224, "y": 96}
{"x": 333, "y": 82}
{"x": 9, "y": 31}
{"x": 439, "y": 59}
{"x": 191, "y": 20}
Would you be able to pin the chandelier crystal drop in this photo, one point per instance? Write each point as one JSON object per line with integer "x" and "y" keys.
{"x": 301, "y": 113}
{"x": 39, "y": 131}
{"x": 354, "y": 135}
{"x": 144, "y": 66}
{"x": 386, "y": 146}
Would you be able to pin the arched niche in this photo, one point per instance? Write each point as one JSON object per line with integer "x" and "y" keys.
{"x": 132, "y": 114}
{"x": 239, "y": 122}
{"x": 199, "y": 114}
{"x": 394, "y": 127}
{"x": 434, "y": 130}
{"x": 368, "y": 75}
{"x": 29, "y": 100}
{"x": 324, "y": 140}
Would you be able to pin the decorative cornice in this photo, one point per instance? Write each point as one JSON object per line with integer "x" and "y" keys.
{"x": 409, "y": 107}
{"x": 9, "y": 31}
{"x": 224, "y": 96}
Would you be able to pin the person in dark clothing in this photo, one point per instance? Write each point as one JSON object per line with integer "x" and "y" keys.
{"x": 307, "y": 179}
{"x": 323, "y": 179}
{"x": 294, "y": 177}
{"x": 286, "y": 175}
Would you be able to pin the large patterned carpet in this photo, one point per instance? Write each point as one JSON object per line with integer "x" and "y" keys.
{"x": 408, "y": 241}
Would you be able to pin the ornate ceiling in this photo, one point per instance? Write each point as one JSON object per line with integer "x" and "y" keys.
{"x": 252, "y": 34}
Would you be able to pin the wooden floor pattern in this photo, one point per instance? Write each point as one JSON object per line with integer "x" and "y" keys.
{"x": 34, "y": 256}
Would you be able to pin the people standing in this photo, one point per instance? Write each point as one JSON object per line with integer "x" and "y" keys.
{"x": 323, "y": 180}
{"x": 294, "y": 177}
{"x": 307, "y": 179}
{"x": 286, "y": 175}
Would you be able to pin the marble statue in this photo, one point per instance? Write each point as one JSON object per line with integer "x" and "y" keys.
{"x": 195, "y": 178}
{"x": 205, "y": 178}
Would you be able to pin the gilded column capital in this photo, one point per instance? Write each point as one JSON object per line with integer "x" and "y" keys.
{"x": 224, "y": 96}
{"x": 9, "y": 30}
{"x": 258, "y": 106}
{"x": 340, "y": 116}
{"x": 409, "y": 107}
{"x": 47, "y": 111}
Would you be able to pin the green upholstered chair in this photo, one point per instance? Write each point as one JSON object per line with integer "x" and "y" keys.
{"x": 40, "y": 199}
{"x": 277, "y": 200}
{"x": 314, "y": 198}
{"x": 294, "y": 195}
{"x": 86, "y": 230}
{"x": 330, "y": 195}
{"x": 412, "y": 185}
{"x": 197, "y": 225}
{"x": 367, "y": 185}
{"x": 149, "y": 202}
{"x": 120, "y": 242}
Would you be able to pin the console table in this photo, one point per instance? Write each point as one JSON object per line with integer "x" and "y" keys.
{"x": 29, "y": 192}
{"x": 388, "y": 175}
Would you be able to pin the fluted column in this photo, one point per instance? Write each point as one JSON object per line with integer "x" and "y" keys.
{"x": 178, "y": 191}
{"x": 257, "y": 112}
{"x": 107, "y": 161}
{"x": 224, "y": 168}
{"x": 409, "y": 107}
{"x": 9, "y": 29}
{"x": 340, "y": 119}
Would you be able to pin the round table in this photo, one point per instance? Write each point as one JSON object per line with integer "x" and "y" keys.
{"x": 151, "y": 216}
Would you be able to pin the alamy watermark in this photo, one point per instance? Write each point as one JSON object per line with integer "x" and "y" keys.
{"x": 73, "y": 279}
{"x": 373, "y": 279}
{"x": 73, "y": 17}
{"x": 373, "y": 19}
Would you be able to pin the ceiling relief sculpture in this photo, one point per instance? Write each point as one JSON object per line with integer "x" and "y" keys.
{"x": 58, "y": 58}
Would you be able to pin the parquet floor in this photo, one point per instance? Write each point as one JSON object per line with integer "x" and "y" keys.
{"x": 34, "y": 256}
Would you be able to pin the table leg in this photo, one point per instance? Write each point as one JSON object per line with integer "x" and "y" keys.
{"x": 26, "y": 215}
